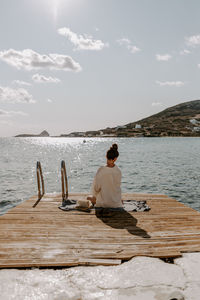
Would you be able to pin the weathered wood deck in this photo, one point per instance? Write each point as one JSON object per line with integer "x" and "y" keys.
{"x": 45, "y": 236}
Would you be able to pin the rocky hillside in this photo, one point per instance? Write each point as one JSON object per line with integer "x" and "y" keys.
{"x": 179, "y": 120}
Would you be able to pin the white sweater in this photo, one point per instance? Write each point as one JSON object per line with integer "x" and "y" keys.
{"x": 106, "y": 187}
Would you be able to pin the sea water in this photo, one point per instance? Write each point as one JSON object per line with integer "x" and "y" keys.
{"x": 168, "y": 166}
{"x": 149, "y": 165}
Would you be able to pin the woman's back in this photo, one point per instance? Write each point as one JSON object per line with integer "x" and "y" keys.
{"x": 107, "y": 187}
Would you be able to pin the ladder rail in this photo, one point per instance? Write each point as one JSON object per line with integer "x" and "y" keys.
{"x": 64, "y": 181}
{"x": 40, "y": 182}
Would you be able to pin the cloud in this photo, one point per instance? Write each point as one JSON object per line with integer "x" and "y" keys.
{"x": 20, "y": 82}
{"x": 4, "y": 113}
{"x": 124, "y": 41}
{"x": 31, "y": 60}
{"x": 19, "y": 95}
{"x": 127, "y": 43}
{"x": 156, "y": 104}
{"x": 170, "y": 83}
{"x": 185, "y": 52}
{"x": 43, "y": 79}
{"x": 82, "y": 42}
{"x": 5, "y": 122}
{"x": 164, "y": 57}
{"x": 133, "y": 49}
{"x": 193, "y": 40}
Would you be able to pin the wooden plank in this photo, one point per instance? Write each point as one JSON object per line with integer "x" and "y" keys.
{"x": 96, "y": 262}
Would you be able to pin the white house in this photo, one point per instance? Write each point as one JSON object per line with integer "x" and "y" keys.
{"x": 194, "y": 121}
{"x": 120, "y": 127}
{"x": 196, "y": 128}
{"x": 138, "y": 126}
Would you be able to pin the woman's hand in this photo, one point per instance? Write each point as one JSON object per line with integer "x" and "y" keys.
{"x": 92, "y": 199}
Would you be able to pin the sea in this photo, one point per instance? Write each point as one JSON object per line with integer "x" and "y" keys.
{"x": 168, "y": 165}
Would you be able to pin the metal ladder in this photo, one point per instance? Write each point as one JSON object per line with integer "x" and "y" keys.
{"x": 40, "y": 183}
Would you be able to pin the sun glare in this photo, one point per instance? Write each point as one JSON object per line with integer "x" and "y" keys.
{"x": 55, "y": 7}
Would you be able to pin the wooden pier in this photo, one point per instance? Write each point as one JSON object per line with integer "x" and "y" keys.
{"x": 46, "y": 236}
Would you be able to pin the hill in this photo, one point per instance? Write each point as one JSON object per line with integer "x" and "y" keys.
{"x": 179, "y": 120}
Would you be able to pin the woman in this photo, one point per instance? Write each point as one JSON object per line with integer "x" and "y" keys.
{"x": 106, "y": 188}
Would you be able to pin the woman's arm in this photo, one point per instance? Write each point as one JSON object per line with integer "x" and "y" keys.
{"x": 96, "y": 187}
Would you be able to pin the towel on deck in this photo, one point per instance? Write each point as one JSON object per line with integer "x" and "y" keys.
{"x": 135, "y": 205}
{"x": 128, "y": 205}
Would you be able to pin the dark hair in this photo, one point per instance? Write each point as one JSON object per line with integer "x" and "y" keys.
{"x": 112, "y": 153}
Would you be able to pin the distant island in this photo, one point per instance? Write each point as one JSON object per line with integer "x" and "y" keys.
{"x": 179, "y": 120}
{"x": 42, "y": 134}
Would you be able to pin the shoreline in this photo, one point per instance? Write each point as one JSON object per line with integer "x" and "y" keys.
{"x": 100, "y": 136}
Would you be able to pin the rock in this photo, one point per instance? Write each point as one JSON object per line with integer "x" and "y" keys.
{"x": 44, "y": 133}
{"x": 142, "y": 278}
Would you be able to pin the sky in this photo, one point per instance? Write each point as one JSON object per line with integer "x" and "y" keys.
{"x": 78, "y": 65}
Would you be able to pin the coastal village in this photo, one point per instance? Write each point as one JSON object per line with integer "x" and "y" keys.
{"x": 138, "y": 130}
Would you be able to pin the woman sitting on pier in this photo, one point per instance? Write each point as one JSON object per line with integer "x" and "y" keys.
{"x": 106, "y": 188}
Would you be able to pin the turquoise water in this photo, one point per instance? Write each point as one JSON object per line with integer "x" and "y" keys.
{"x": 154, "y": 165}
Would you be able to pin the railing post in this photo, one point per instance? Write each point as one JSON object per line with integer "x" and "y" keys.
{"x": 40, "y": 181}
{"x": 64, "y": 182}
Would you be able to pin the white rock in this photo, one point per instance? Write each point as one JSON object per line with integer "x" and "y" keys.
{"x": 141, "y": 278}
{"x": 150, "y": 293}
{"x": 192, "y": 292}
{"x": 190, "y": 263}
{"x": 140, "y": 271}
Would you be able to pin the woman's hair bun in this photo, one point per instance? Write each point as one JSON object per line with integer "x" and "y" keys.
{"x": 114, "y": 147}
{"x": 113, "y": 152}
